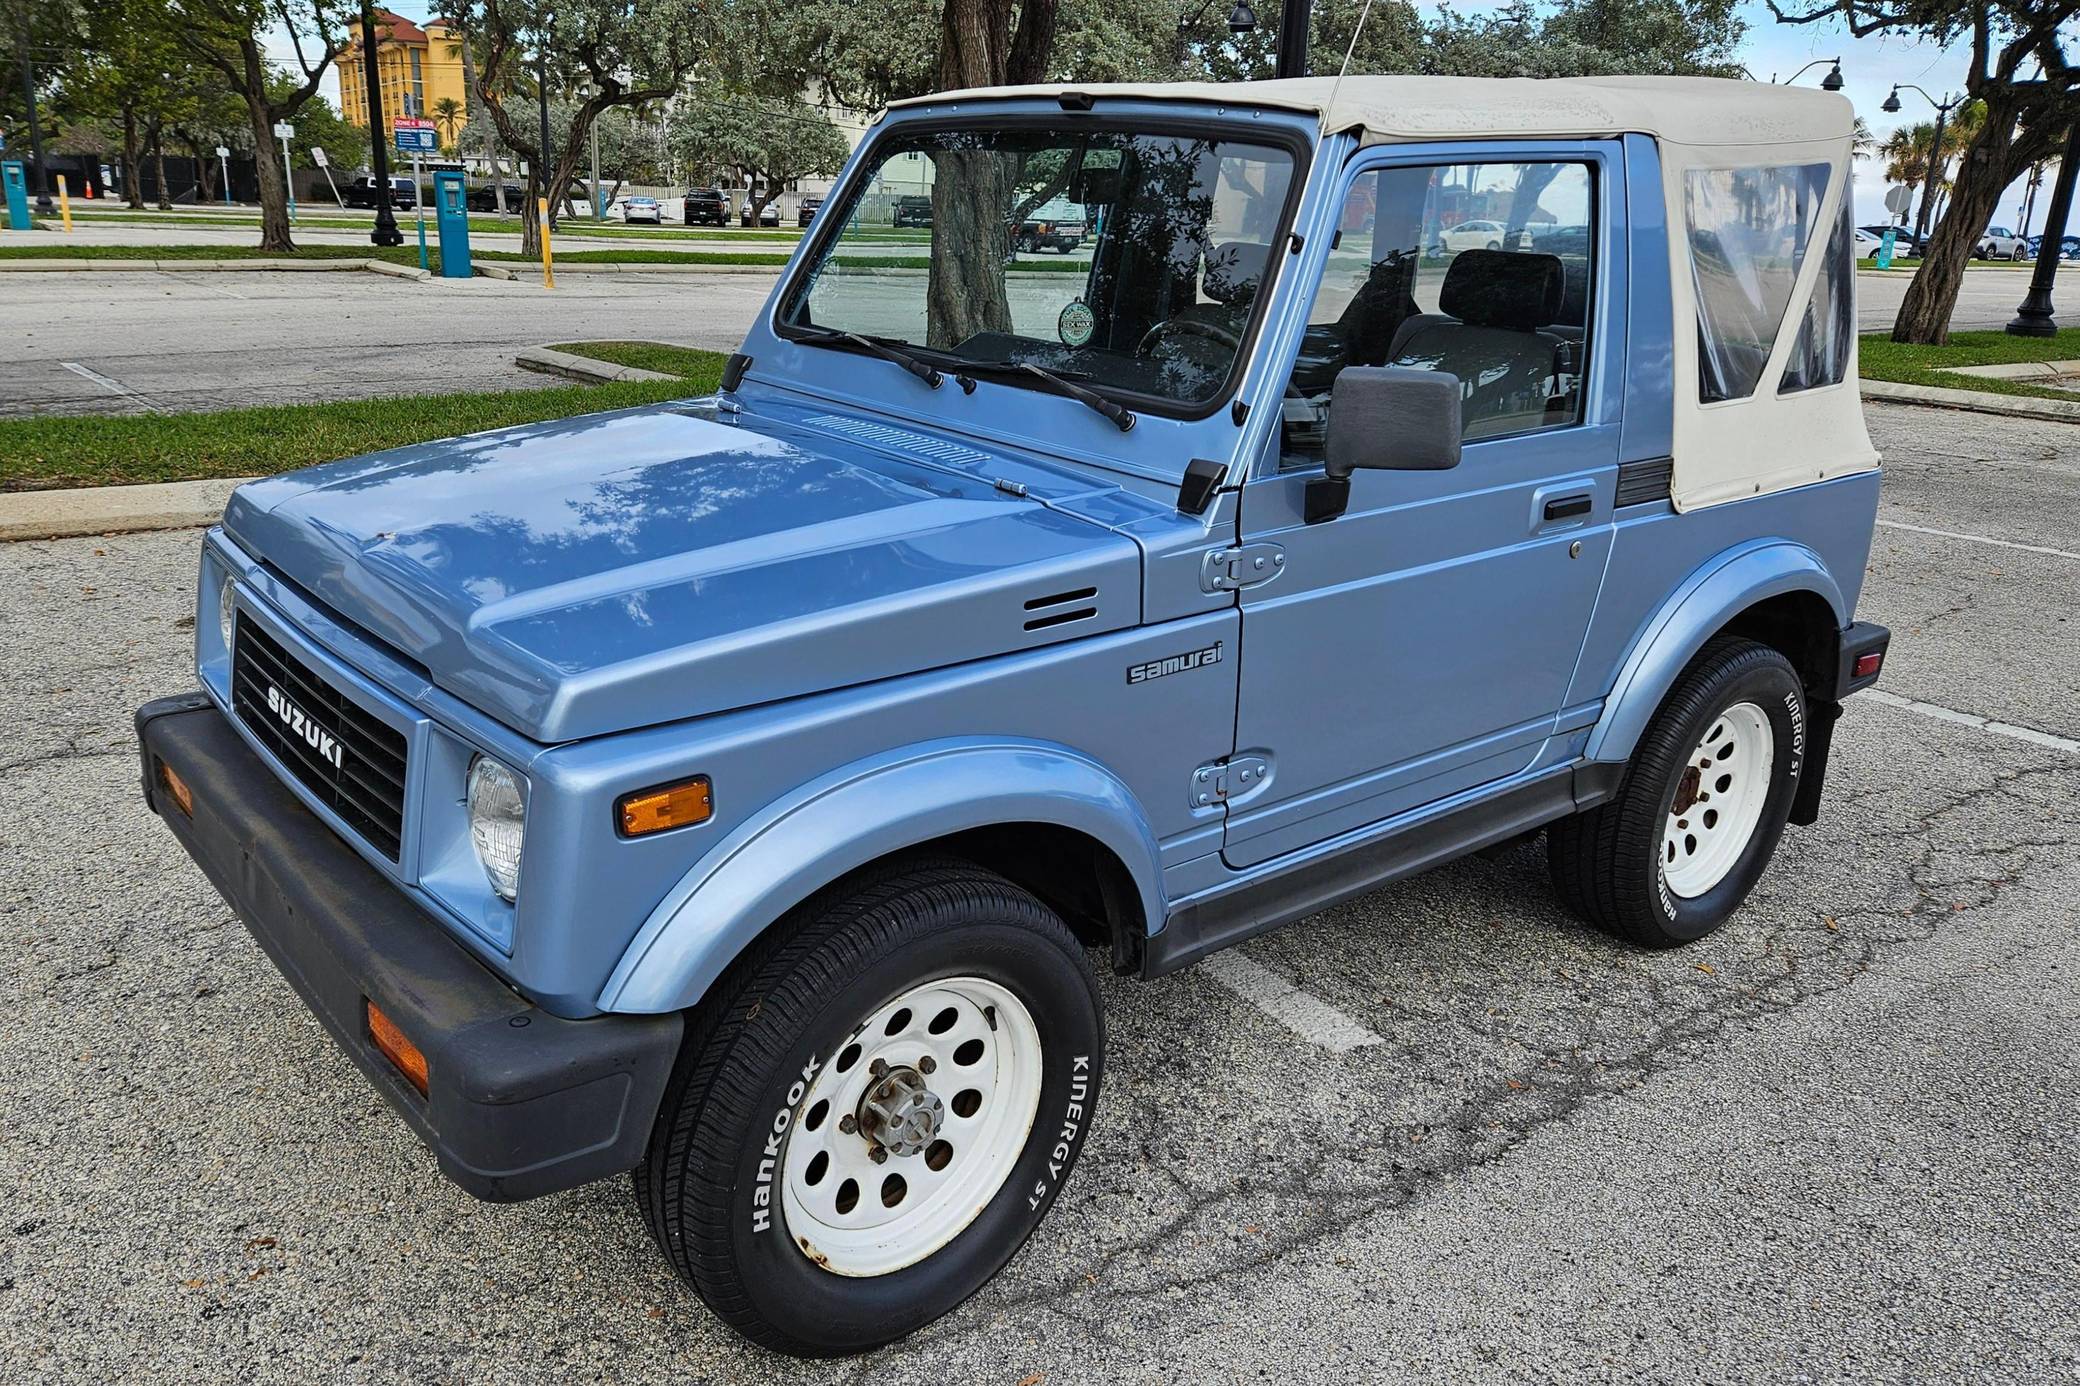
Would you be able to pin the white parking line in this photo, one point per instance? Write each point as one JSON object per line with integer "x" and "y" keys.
{"x": 1304, "y": 1013}
{"x": 1979, "y": 539}
{"x": 1973, "y": 720}
{"x": 112, "y": 386}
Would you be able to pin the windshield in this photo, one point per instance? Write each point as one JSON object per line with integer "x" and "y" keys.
{"x": 1129, "y": 259}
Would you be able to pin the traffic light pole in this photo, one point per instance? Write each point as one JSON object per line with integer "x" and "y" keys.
{"x": 386, "y": 232}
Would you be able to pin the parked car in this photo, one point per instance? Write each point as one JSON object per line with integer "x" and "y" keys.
{"x": 1478, "y": 235}
{"x": 1999, "y": 243}
{"x": 485, "y": 199}
{"x": 807, "y": 210}
{"x": 1903, "y": 241}
{"x": 404, "y": 193}
{"x": 1057, "y": 226}
{"x": 768, "y": 215}
{"x": 734, "y": 790}
{"x": 1867, "y": 244}
{"x": 706, "y": 207}
{"x": 912, "y": 211}
{"x": 642, "y": 209}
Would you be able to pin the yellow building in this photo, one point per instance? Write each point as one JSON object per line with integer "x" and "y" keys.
{"x": 420, "y": 69}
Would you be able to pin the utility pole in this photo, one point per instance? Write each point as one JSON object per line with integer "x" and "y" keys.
{"x": 385, "y": 232}
{"x": 1292, "y": 37}
{"x": 43, "y": 171}
{"x": 543, "y": 163}
{"x": 2033, "y": 318}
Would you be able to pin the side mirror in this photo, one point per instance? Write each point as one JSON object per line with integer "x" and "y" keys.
{"x": 1388, "y": 418}
{"x": 1095, "y": 187}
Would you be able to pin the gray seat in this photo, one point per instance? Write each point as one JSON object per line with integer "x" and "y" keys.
{"x": 1494, "y": 334}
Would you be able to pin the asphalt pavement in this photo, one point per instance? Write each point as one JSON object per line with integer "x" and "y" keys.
{"x": 1834, "y": 1142}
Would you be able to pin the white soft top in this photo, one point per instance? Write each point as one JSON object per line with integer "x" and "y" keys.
{"x": 1698, "y": 111}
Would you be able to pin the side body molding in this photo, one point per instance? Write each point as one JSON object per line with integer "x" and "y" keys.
{"x": 852, "y": 816}
{"x": 1711, "y": 596}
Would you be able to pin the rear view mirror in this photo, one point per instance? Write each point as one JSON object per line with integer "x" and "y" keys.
{"x": 1389, "y": 418}
{"x": 1095, "y": 187}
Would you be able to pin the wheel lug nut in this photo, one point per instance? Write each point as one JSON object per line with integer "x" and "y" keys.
{"x": 848, "y": 1123}
{"x": 878, "y": 1067}
{"x": 878, "y": 1155}
{"x": 927, "y": 1064}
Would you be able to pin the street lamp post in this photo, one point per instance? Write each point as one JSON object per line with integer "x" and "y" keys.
{"x": 1292, "y": 37}
{"x": 2033, "y": 318}
{"x": 43, "y": 170}
{"x": 385, "y": 232}
{"x": 1831, "y": 82}
{"x": 543, "y": 164}
{"x": 1933, "y": 175}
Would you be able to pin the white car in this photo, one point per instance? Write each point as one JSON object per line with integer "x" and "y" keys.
{"x": 1867, "y": 244}
{"x": 1479, "y": 235}
{"x": 1999, "y": 243}
{"x": 642, "y": 209}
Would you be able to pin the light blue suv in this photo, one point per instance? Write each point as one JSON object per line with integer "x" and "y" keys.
{"x": 736, "y": 791}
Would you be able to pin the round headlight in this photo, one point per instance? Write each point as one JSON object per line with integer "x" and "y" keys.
{"x": 225, "y": 610}
{"x": 497, "y": 822}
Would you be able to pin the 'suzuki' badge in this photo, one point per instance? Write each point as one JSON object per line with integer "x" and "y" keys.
{"x": 1076, "y": 323}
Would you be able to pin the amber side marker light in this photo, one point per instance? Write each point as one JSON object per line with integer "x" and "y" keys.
{"x": 401, "y": 1052}
{"x": 183, "y": 797}
{"x": 679, "y": 805}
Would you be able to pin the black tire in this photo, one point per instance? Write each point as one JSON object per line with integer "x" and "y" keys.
{"x": 1607, "y": 863}
{"x": 796, "y": 998}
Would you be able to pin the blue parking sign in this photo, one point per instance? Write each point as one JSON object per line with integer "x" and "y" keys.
{"x": 415, "y": 136}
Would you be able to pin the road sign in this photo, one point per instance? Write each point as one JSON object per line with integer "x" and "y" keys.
{"x": 223, "y": 152}
{"x": 318, "y": 156}
{"x": 283, "y": 130}
{"x": 415, "y": 136}
{"x": 1898, "y": 200}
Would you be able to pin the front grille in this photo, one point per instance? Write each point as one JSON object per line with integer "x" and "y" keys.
{"x": 351, "y": 761}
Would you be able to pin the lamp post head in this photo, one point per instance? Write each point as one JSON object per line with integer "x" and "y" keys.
{"x": 1242, "y": 19}
{"x": 1833, "y": 80}
{"x": 1891, "y": 103}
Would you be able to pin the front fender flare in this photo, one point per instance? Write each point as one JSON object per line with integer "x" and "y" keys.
{"x": 846, "y": 819}
{"x": 1710, "y": 597}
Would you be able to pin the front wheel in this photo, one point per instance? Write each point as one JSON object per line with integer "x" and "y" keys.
{"x": 1701, "y": 806}
{"x": 876, "y": 1109}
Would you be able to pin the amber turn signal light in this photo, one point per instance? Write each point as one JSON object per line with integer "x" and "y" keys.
{"x": 183, "y": 798}
{"x": 401, "y": 1052}
{"x": 679, "y": 805}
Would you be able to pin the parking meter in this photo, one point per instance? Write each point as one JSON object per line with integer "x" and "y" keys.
{"x": 451, "y": 208}
{"x": 17, "y": 194}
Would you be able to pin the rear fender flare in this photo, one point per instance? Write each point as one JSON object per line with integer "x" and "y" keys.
{"x": 1710, "y": 597}
{"x": 850, "y": 817}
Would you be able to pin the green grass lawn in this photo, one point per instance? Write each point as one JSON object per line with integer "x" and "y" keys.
{"x": 652, "y": 356}
{"x": 125, "y": 449}
{"x": 1881, "y": 358}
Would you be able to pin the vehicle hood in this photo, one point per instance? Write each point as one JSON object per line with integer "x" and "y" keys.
{"x": 620, "y": 570}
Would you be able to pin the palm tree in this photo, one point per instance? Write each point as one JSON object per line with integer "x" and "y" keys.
{"x": 449, "y": 114}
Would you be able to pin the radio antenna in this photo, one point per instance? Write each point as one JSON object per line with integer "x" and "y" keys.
{"x": 1349, "y": 49}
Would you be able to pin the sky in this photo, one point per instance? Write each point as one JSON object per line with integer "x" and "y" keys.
{"x": 1870, "y": 66}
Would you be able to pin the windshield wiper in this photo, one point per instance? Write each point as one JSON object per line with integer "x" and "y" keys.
{"x": 1060, "y": 384}
{"x": 888, "y": 349}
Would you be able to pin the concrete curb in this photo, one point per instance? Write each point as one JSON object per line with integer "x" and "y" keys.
{"x": 1973, "y": 401}
{"x": 113, "y": 509}
{"x": 549, "y": 361}
{"x": 59, "y": 266}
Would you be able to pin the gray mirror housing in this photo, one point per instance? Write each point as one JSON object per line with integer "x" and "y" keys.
{"x": 1393, "y": 418}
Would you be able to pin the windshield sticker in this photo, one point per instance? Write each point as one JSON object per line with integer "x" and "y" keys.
{"x": 1076, "y": 324}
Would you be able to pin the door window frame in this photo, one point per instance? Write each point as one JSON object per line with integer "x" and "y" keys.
{"x": 1609, "y": 283}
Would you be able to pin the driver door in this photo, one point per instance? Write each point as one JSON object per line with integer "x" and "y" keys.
{"x": 1419, "y": 645}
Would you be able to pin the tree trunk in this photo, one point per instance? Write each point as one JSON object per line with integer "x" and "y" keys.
{"x": 274, "y": 188}
{"x": 133, "y": 162}
{"x": 1982, "y": 174}
{"x": 159, "y": 170}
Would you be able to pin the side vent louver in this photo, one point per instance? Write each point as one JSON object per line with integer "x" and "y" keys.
{"x": 1061, "y": 608}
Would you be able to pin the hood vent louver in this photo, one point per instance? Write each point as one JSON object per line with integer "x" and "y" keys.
{"x": 1060, "y": 608}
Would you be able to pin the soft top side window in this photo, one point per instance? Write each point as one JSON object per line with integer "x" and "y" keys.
{"x": 1748, "y": 229}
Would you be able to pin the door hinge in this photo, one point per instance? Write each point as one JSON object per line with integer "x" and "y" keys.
{"x": 1247, "y": 565}
{"x": 1221, "y": 781}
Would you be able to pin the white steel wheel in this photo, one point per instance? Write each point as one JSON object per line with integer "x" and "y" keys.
{"x": 1718, "y": 800}
{"x": 912, "y": 1127}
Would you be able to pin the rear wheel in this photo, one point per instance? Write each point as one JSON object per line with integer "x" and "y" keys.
{"x": 1701, "y": 806}
{"x": 876, "y": 1109}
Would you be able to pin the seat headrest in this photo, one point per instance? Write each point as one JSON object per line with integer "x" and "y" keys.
{"x": 1504, "y": 288}
{"x": 1234, "y": 271}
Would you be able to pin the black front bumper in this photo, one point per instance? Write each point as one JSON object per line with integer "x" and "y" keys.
{"x": 519, "y": 1102}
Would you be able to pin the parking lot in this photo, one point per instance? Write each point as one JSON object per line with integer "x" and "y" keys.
{"x": 1443, "y": 1133}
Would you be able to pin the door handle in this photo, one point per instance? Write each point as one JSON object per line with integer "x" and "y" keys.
{"x": 1567, "y": 507}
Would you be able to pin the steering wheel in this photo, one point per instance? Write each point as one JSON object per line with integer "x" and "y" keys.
{"x": 1188, "y": 327}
